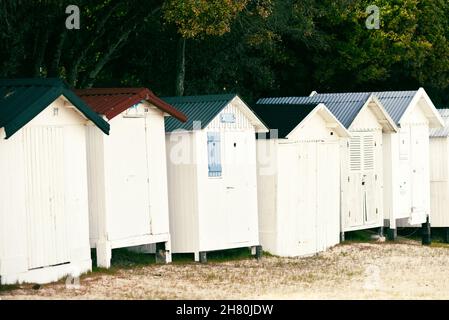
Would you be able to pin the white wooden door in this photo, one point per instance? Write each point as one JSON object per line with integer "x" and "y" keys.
{"x": 405, "y": 183}
{"x": 361, "y": 180}
{"x": 324, "y": 195}
{"x": 354, "y": 180}
{"x": 235, "y": 173}
{"x": 328, "y": 195}
{"x": 46, "y": 217}
{"x": 370, "y": 212}
{"x": 155, "y": 140}
{"x": 129, "y": 181}
{"x": 418, "y": 136}
{"x": 308, "y": 228}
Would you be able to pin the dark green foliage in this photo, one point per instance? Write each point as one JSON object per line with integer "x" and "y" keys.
{"x": 7, "y": 288}
{"x": 259, "y": 48}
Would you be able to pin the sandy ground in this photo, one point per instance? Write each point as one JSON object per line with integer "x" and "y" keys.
{"x": 348, "y": 271}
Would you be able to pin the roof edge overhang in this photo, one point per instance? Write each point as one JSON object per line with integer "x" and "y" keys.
{"x": 164, "y": 106}
{"x": 383, "y": 117}
{"x": 43, "y": 102}
{"x": 31, "y": 112}
{"x": 431, "y": 112}
{"x": 260, "y": 126}
{"x": 436, "y": 133}
{"x": 133, "y": 98}
{"x": 86, "y": 110}
{"x": 328, "y": 116}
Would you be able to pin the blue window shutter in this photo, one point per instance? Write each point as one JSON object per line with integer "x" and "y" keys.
{"x": 214, "y": 154}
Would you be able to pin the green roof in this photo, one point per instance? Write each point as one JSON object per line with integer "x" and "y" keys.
{"x": 283, "y": 117}
{"x": 196, "y": 108}
{"x": 23, "y": 99}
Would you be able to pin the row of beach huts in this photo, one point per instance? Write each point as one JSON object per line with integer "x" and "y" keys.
{"x": 115, "y": 168}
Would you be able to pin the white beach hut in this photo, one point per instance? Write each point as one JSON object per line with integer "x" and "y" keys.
{"x": 439, "y": 175}
{"x": 128, "y": 200}
{"x": 406, "y": 184}
{"x": 361, "y": 157}
{"x": 299, "y": 179}
{"x": 212, "y": 175}
{"x": 44, "y": 218}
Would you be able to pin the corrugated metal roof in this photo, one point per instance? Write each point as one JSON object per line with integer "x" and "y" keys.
{"x": 442, "y": 132}
{"x": 113, "y": 101}
{"x": 23, "y": 99}
{"x": 197, "y": 108}
{"x": 283, "y": 118}
{"x": 346, "y": 106}
{"x": 396, "y": 102}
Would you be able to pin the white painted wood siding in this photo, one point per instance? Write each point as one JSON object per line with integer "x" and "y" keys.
{"x": 47, "y": 236}
{"x": 214, "y": 213}
{"x": 299, "y": 190}
{"x": 439, "y": 181}
{"x": 128, "y": 180}
{"x": 409, "y": 175}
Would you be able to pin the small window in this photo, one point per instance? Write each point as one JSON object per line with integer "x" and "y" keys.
{"x": 214, "y": 154}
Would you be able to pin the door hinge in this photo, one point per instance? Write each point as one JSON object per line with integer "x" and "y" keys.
{"x": 375, "y": 177}
{"x": 349, "y": 179}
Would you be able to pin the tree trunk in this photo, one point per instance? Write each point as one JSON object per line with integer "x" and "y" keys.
{"x": 54, "y": 67}
{"x": 89, "y": 82}
{"x": 72, "y": 75}
{"x": 180, "y": 67}
{"x": 40, "y": 54}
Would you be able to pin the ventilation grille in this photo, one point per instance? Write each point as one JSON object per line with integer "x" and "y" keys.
{"x": 361, "y": 152}
{"x": 355, "y": 150}
{"x": 368, "y": 152}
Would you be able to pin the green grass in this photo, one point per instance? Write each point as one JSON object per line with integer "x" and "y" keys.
{"x": 359, "y": 236}
{"x": 227, "y": 255}
{"x": 8, "y": 288}
{"x": 182, "y": 258}
{"x": 436, "y": 244}
{"x": 410, "y": 233}
{"x": 437, "y": 235}
{"x": 123, "y": 259}
{"x": 404, "y": 233}
{"x": 215, "y": 256}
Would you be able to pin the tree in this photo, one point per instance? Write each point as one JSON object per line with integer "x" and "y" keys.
{"x": 253, "y": 47}
{"x": 198, "y": 19}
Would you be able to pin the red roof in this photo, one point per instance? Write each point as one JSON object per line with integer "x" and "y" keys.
{"x": 113, "y": 101}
